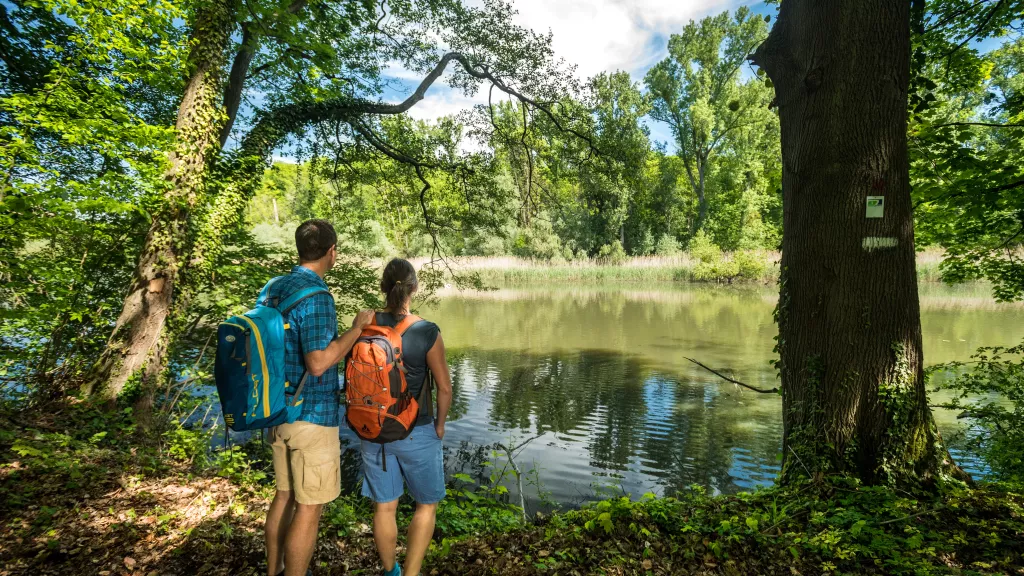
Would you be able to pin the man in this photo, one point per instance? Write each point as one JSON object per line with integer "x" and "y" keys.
{"x": 307, "y": 453}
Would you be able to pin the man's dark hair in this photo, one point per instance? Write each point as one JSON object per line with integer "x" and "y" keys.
{"x": 313, "y": 238}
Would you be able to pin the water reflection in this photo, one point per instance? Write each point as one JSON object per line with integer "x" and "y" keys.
{"x": 598, "y": 376}
{"x": 605, "y": 418}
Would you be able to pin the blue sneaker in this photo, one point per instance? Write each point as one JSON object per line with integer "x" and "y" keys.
{"x": 396, "y": 571}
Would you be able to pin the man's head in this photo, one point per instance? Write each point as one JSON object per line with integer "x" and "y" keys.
{"x": 316, "y": 243}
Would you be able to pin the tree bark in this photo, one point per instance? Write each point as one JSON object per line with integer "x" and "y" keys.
{"x": 138, "y": 342}
{"x": 236, "y": 81}
{"x": 849, "y": 341}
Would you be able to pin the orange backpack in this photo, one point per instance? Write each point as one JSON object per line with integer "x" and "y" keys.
{"x": 380, "y": 408}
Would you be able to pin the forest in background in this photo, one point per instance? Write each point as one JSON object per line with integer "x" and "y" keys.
{"x": 719, "y": 179}
{"x": 554, "y": 169}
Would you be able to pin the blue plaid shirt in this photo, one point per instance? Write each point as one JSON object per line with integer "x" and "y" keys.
{"x": 313, "y": 324}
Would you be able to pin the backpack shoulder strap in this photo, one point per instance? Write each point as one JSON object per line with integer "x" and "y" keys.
{"x": 407, "y": 323}
{"x": 286, "y": 305}
{"x": 261, "y": 300}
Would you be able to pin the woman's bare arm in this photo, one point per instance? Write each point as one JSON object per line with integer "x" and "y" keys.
{"x": 438, "y": 365}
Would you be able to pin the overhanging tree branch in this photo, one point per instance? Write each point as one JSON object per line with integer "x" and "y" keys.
{"x": 985, "y": 124}
{"x": 977, "y": 29}
{"x": 243, "y": 170}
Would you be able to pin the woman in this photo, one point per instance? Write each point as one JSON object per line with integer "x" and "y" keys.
{"x": 417, "y": 459}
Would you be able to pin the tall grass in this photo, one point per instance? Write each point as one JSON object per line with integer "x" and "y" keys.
{"x": 928, "y": 263}
{"x": 516, "y": 271}
{"x": 513, "y": 271}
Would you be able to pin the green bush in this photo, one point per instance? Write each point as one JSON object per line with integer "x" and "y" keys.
{"x": 645, "y": 246}
{"x": 751, "y": 264}
{"x": 703, "y": 249}
{"x": 989, "y": 393}
{"x": 716, "y": 271}
{"x": 187, "y": 445}
{"x": 712, "y": 265}
{"x": 343, "y": 515}
{"x": 538, "y": 241}
{"x": 236, "y": 465}
{"x": 486, "y": 245}
{"x": 667, "y": 245}
{"x": 612, "y": 253}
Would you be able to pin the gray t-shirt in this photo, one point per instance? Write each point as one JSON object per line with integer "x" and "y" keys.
{"x": 416, "y": 342}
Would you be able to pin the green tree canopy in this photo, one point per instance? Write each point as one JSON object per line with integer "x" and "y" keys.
{"x": 698, "y": 91}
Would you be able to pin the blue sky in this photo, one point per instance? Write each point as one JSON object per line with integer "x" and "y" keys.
{"x": 595, "y": 36}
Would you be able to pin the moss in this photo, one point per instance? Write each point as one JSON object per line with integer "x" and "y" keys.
{"x": 911, "y": 445}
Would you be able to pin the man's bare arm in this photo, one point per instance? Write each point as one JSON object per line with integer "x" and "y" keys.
{"x": 320, "y": 361}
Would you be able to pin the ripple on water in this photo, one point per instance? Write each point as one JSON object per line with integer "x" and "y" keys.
{"x": 601, "y": 377}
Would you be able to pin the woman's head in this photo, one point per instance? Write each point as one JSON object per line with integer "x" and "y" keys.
{"x": 398, "y": 283}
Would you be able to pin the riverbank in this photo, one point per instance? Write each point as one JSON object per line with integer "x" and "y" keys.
{"x": 83, "y": 491}
{"x": 755, "y": 267}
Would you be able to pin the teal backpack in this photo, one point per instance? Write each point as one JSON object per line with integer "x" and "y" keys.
{"x": 249, "y": 366}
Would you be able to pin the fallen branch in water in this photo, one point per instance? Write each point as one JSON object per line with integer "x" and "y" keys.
{"x": 737, "y": 382}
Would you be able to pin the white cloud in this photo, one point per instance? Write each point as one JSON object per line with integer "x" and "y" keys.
{"x": 607, "y": 35}
{"x": 595, "y": 35}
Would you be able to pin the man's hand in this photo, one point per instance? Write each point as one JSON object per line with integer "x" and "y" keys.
{"x": 363, "y": 319}
{"x": 319, "y": 361}
{"x": 439, "y": 428}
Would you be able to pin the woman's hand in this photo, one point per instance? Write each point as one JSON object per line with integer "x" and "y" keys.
{"x": 439, "y": 428}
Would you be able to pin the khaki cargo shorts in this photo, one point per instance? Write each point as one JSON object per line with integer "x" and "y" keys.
{"x": 307, "y": 461}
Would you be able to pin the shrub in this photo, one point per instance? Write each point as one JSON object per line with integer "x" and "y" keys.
{"x": 991, "y": 395}
{"x": 750, "y": 264}
{"x": 645, "y": 246}
{"x": 188, "y": 445}
{"x": 667, "y": 245}
{"x": 703, "y": 249}
{"x": 538, "y": 241}
{"x": 612, "y": 253}
{"x": 710, "y": 265}
{"x": 486, "y": 245}
{"x": 716, "y": 271}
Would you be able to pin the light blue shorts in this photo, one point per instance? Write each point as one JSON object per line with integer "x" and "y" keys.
{"x": 418, "y": 460}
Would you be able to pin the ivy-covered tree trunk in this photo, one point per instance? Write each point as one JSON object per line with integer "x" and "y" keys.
{"x": 849, "y": 342}
{"x": 138, "y": 342}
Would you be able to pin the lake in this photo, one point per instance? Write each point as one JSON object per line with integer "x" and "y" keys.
{"x": 597, "y": 378}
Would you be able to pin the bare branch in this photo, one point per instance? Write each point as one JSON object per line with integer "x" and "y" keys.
{"x": 723, "y": 377}
{"x": 986, "y": 124}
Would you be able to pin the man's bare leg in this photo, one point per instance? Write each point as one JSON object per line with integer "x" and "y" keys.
{"x": 421, "y": 530}
{"x": 279, "y": 518}
{"x": 300, "y": 541}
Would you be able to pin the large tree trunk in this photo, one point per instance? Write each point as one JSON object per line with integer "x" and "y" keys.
{"x": 138, "y": 342}
{"x": 849, "y": 323}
